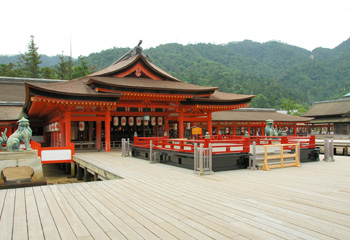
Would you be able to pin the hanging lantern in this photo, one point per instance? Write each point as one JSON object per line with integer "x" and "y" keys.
{"x": 145, "y": 122}
{"x": 52, "y": 127}
{"x": 81, "y": 126}
{"x": 138, "y": 121}
{"x": 160, "y": 121}
{"x": 123, "y": 121}
{"x": 131, "y": 121}
{"x": 153, "y": 121}
{"x": 175, "y": 126}
{"x": 57, "y": 126}
{"x": 188, "y": 126}
{"x": 115, "y": 121}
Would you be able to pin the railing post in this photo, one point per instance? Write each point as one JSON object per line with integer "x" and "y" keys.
{"x": 206, "y": 140}
{"x": 326, "y": 150}
{"x": 312, "y": 143}
{"x": 265, "y": 165}
{"x": 297, "y": 154}
{"x": 210, "y": 158}
{"x": 299, "y": 148}
{"x": 195, "y": 157}
{"x": 123, "y": 147}
{"x": 128, "y": 148}
{"x": 150, "y": 151}
{"x": 252, "y": 161}
{"x": 201, "y": 159}
{"x": 331, "y": 146}
{"x": 246, "y": 147}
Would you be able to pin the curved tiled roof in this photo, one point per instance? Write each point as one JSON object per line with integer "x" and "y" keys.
{"x": 224, "y": 97}
{"x": 119, "y": 66}
{"x": 329, "y": 108}
{"x": 76, "y": 87}
{"x": 148, "y": 84}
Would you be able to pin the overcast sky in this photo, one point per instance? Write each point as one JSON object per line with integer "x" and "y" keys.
{"x": 97, "y": 25}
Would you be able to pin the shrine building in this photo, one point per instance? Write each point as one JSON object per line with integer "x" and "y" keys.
{"x": 132, "y": 96}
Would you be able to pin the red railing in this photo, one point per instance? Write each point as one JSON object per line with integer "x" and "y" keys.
{"x": 184, "y": 145}
{"x": 221, "y": 143}
{"x": 54, "y": 154}
{"x": 305, "y": 142}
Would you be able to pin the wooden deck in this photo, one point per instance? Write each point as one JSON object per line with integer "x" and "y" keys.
{"x": 156, "y": 201}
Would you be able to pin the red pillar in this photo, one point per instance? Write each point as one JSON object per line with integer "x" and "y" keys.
{"x": 295, "y": 130}
{"x": 209, "y": 124}
{"x": 166, "y": 125}
{"x": 68, "y": 128}
{"x": 61, "y": 134}
{"x": 263, "y": 130}
{"x": 181, "y": 124}
{"x": 98, "y": 135}
{"x": 108, "y": 131}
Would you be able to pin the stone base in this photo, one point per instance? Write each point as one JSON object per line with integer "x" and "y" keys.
{"x": 19, "y": 169}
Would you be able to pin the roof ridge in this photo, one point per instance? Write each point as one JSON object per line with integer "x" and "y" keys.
{"x": 135, "y": 51}
{"x": 331, "y": 101}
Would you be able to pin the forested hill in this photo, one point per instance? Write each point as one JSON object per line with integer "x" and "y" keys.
{"x": 271, "y": 70}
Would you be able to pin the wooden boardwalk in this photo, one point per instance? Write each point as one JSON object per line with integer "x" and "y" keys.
{"x": 156, "y": 201}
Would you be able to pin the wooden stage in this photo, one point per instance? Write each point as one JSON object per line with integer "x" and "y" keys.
{"x": 157, "y": 201}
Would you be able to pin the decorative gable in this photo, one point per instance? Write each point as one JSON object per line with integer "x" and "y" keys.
{"x": 138, "y": 70}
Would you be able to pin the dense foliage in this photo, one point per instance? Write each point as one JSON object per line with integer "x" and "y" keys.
{"x": 280, "y": 75}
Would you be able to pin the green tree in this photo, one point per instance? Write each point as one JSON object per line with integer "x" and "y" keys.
{"x": 48, "y": 73}
{"x": 83, "y": 69}
{"x": 29, "y": 62}
{"x": 63, "y": 68}
{"x": 8, "y": 70}
{"x": 288, "y": 104}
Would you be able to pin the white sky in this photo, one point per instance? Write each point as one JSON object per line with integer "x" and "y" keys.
{"x": 101, "y": 24}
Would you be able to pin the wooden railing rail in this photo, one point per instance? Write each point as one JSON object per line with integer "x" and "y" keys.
{"x": 184, "y": 145}
{"x": 282, "y": 156}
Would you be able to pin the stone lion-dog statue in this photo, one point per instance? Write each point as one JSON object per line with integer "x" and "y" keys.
{"x": 22, "y": 134}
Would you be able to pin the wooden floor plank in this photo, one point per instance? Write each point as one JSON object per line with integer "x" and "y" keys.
{"x": 20, "y": 230}
{"x": 35, "y": 230}
{"x": 47, "y": 221}
{"x": 73, "y": 198}
{"x": 143, "y": 220}
{"x": 76, "y": 224}
{"x": 61, "y": 221}
{"x": 116, "y": 215}
{"x": 7, "y": 216}
{"x": 2, "y": 200}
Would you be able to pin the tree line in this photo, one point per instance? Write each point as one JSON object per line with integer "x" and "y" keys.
{"x": 28, "y": 65}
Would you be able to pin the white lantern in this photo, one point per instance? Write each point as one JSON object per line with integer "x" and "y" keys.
{"x": 115, "y": 121}
{"x": 123, "y": 121}
{"x": 52, "y": 127}
{"x": 160, "y": 121}
{"x": 138, "y": 121}
{"x": 145, "y": 122}
{"x": 153, "y": 121}
{"x": 131, "y": 121}
{"x": 188, "y": 126}
{"x": 175, "y": 126}
{"x": 81, "y": 126}
{"x": 57, "y": 126}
